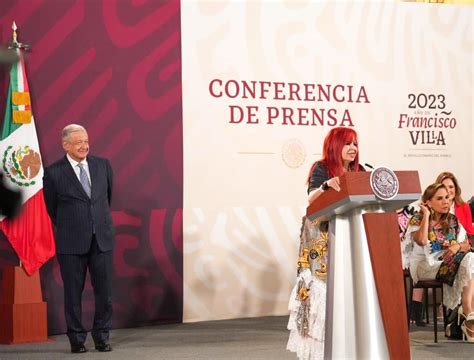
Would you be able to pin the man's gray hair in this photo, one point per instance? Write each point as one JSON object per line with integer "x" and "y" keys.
{"x": 70, "y": 129}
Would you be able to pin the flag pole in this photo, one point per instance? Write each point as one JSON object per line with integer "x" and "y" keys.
{"x": 15, "y": 44}
{"x": 14, "y": 35}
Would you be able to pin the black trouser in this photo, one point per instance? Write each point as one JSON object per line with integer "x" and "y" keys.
{"x": 73, "y": 271}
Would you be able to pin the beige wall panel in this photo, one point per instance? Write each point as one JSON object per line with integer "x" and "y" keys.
{"x": 244, "y": 184}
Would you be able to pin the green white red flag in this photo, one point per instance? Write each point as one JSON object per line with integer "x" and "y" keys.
{"x": 30, "y": 233}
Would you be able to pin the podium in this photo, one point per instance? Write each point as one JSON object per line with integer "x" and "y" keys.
{"x": 365, "y": 305}
{"x": 23, "y": 314}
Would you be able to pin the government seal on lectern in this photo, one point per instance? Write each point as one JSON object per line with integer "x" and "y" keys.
{"x": 384, "y": 183}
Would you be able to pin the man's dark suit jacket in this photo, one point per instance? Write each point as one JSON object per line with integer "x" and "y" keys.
{"x": 74, "y": 214}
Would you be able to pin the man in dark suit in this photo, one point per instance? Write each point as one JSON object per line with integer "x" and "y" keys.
{"x": 77, "y": 190}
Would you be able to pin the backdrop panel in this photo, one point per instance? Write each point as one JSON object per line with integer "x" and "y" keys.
{"x": 114, "y": 66}
{"x": 263, "y": 84}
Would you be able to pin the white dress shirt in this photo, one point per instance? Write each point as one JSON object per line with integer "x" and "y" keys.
{"x": 76, "y": 168}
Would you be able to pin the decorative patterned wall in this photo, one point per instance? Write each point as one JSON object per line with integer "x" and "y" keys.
{"x": 114, "y": 66}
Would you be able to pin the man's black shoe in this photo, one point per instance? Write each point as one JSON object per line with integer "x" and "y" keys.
{"x": 103, "y": 347}
{"x": 78, "y": 349}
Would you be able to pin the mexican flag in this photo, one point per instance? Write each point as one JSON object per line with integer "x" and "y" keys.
{"x": 30, "y": 233}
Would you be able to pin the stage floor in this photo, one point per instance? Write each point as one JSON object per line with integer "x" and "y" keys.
{"x": 256, "y": 338}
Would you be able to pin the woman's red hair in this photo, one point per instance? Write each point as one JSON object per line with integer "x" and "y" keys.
{"x": 332, "y": 151}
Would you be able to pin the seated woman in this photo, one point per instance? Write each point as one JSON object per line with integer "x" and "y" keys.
{"x": 441, "y": 251}
{"x": 416, "y": 303}
{"x": 307, "y": 303}
{"x": 459, "y": 207}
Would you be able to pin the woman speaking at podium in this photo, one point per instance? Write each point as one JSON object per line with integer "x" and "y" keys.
{"x": 307, "y": 303}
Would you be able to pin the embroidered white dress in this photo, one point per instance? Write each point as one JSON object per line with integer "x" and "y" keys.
{"x": 308, "y": 315}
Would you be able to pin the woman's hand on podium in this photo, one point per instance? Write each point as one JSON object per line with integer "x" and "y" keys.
{"x": 334, "y": 183}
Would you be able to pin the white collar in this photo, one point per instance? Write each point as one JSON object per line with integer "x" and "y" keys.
{"x": 74, "y": 163}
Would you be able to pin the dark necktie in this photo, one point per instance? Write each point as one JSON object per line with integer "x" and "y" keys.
{"x": 84, "y": 180}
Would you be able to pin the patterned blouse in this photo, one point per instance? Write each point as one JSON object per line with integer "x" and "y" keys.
{"x": 439, "y": 241}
